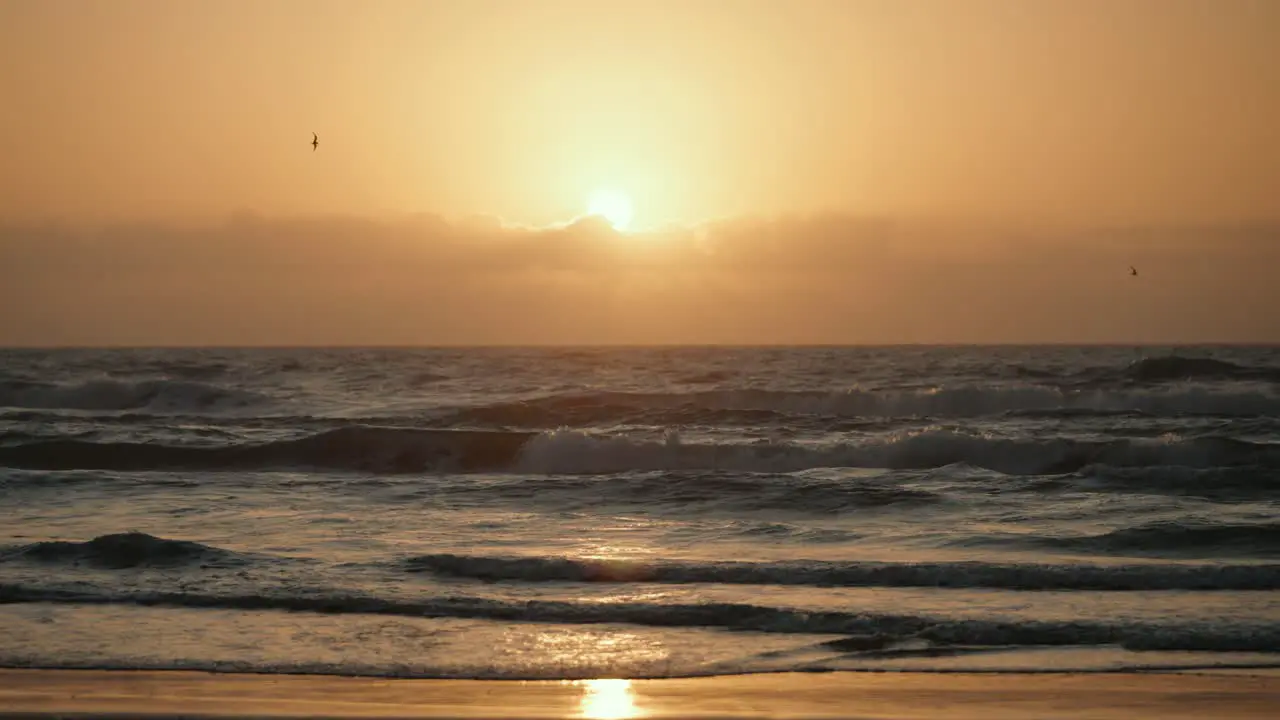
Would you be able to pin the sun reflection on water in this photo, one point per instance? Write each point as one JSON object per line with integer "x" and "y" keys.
{"x": 608, "y": 700}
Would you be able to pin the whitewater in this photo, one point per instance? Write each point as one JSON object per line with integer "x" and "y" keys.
{"x": 640, "y": 512}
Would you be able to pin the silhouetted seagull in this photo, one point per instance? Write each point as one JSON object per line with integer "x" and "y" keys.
{"x": 1133, "y": 271}
{"x": 315, "y": 141}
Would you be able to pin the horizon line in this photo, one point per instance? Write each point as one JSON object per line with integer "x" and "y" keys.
{"x": 651, "y": 346}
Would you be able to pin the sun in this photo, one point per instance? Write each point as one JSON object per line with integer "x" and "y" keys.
{"x": 612, "y": 205}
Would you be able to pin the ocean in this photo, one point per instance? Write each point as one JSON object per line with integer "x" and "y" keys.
{"x": 640, "y": 512}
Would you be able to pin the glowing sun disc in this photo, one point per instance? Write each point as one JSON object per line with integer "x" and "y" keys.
{"x": 613, "y": 206}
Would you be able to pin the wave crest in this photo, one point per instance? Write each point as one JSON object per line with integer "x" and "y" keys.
{"x": 855, "y": 574}
{"x": 1179, "y": 538}
{"x": 124, "y": 550}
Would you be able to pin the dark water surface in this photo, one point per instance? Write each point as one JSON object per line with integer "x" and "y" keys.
{"x": 640, "y": 512}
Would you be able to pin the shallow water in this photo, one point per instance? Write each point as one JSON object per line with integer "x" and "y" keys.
{"x": 640, "y": 512}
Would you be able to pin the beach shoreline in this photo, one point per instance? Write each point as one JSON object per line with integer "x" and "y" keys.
{"x": 155, "y": 694}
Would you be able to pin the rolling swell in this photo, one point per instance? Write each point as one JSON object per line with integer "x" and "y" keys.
{"x": 721, "y": 489}
{"x": 351, "y": 448}
{"x": 1179, "y": 538}
{"x": 1155, "y": 370}
{"x": 729, "y": 616}
{"x": 754, "y": 407}
{"x": 358, "y": 448}
{"x": 572, "y": 452}
{"x": 855, "y": 574}
{"x": 124, "y": 550}
{"x": 1223, "y": 484}
{"x": 1172, "y": 368}
{"x": 168, "y": 396}
{"x": 609, "y": 409}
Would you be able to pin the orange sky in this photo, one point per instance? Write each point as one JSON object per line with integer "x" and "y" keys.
{"x": 1005, "y": 143}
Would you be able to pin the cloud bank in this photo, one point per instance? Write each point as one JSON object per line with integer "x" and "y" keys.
{"x": 425, "y": 279}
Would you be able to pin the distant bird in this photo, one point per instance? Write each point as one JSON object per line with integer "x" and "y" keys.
{"x": 1133, "y": 271}
{"x": 315, "y": 141}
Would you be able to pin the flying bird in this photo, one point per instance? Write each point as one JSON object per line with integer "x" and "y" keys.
{"x": 315, "y": 141}
{"x": 1133, "y": 271}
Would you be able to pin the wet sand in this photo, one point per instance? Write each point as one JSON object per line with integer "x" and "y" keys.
{"x": 103, "y": 694}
